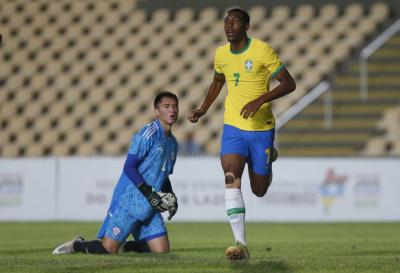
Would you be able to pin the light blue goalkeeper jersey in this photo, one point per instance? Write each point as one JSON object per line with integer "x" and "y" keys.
{"x": 157, "y": 153}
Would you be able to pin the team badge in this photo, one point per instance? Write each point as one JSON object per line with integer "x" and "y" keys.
{"x": 116, "y": 230}
{"x": 248, "y": 65}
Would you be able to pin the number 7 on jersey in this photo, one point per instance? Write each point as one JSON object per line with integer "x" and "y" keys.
{"x": 237, "y": 78}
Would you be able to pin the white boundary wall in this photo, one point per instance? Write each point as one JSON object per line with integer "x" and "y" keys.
{"x": 304, "y": 189}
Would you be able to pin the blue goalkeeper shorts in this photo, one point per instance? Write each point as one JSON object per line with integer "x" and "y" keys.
{"x": 255, "y": 145}
{"x": 120, "y": 225}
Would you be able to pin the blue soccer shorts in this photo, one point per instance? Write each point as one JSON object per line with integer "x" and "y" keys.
{"x": 255, "y": 145}
{"x": 118, "y": 226}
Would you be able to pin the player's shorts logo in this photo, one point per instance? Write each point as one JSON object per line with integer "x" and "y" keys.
{"x": 116, "y": 230}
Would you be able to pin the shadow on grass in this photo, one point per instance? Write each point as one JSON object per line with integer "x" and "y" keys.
{"x": 263, "y": 266}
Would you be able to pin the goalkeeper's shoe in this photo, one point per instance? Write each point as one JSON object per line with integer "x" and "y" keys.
{"x": 67, "y": 247}
{"x": 274, "y": 154}
{"x": 237, "y": 252}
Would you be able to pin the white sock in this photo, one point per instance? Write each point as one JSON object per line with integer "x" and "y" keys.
{"x": 236, "y": 213}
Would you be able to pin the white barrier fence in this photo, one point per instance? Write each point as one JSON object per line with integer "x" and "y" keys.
{"x": 304, "y": 189}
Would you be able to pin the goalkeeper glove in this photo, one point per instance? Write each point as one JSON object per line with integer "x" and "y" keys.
{"x": 153, "y": 198}
{"x": 171, "y": 201}
{"x": 172, "y": 205}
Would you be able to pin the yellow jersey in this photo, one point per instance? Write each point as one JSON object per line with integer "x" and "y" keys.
{"x": 247, "y": 74}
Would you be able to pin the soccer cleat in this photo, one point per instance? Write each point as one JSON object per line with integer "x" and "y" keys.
{"x": 67, "y": 247}
{"x": 237, "y": 252}
{"x": 274, "y": 154}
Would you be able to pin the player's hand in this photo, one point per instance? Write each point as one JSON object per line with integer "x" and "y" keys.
{"x": 170, "y": 200}
{"x": 197, "y": 113}
{"x": 251, "y": 108}
{"x": 154, "y": 198}
{"x": 172, "y": 205}
{"x": 156, "y": 202}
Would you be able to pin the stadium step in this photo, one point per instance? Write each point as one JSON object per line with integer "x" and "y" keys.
{"x": 375, "y": 95}
{"x": 338, "y": 123}
{"x": 389, "y": 52}
{"x": 372, "y": 80}
{"x": 350, "y": 108}
{"x": 354, "y": 121}
{"x": 325, "y": 138}
{"x": 394, "y": 41}
{"x": 317, "y": 151}
{"x": 378, "y": 68}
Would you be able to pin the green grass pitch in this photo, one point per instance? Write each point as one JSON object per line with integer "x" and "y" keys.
{"x": 200, "y": 247}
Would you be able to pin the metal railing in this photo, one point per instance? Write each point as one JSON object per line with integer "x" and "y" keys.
{"x": 305, "y": 101}
{"x": 368, "y": 51}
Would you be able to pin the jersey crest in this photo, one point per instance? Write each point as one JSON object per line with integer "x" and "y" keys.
{"x": 248, "y": 65}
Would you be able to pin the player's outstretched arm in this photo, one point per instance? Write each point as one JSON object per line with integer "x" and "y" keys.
{"x": 285, "y": 86}
{"x": 212, "y": 93}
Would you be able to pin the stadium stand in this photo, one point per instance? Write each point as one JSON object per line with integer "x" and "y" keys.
{"x": 389, "y": 142}
{"x": 355, "y": 123}
{"x": 78, "y": 77}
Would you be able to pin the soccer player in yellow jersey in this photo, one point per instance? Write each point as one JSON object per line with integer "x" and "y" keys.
{"x": 247, "y": 66}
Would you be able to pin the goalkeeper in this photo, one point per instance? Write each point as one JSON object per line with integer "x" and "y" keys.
{"x": 140, "y": 194}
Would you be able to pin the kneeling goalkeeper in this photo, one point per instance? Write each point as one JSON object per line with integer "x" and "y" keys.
{"x": 137, "y": 201}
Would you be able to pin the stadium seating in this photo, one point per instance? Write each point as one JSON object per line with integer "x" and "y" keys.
{"x": 79, "y": 77}
{"x": 369, "y": 128}
{"x": 389, "y": 142}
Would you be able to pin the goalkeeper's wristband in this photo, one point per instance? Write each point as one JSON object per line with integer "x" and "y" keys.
{"x": 153, "y": 198}
{"x": 145, "y": 189}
